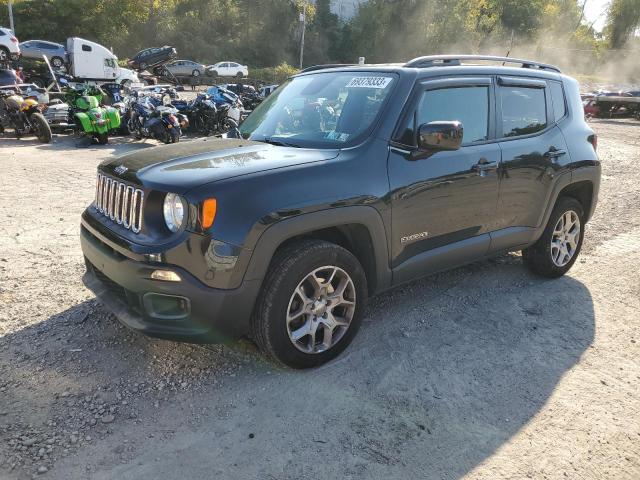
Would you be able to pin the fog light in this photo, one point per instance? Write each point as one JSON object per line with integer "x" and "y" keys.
{"x": 165, "y": 275}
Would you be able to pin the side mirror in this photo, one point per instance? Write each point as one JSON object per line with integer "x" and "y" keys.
{"x": 440, "y": 136}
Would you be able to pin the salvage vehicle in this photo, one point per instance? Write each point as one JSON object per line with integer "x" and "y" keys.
{"x": 184, "y": 68}
{"x": 92, "y": 62}
{"x": 9, "y": 46}
{"x": 8, "y": 76}
{"x": 35, "y": 49}
{"x": 282, "y": 233}
{"x": 150, "y": 57}
{"x": 227, "y": 69}
{"x": 24, "y": 115}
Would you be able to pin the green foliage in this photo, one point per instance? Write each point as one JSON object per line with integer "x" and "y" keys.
{"x": 622, "y": 21}
{"x": 274, "y": 74}
{"x": 267, "y": 32}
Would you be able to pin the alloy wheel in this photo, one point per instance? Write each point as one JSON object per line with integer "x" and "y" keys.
{"x": 321, "y": 309}
{"x": 565, "y": 238}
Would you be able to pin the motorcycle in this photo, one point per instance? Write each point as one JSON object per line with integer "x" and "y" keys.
{"x": 24, "y": 115}
{"x": 95, "y": 120}
{"x": 159, "y": 121}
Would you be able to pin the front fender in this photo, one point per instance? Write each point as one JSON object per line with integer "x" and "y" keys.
{"x": 257, "y": 260}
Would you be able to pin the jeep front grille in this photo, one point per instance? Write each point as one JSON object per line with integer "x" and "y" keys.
{"x": 120, "y": 202}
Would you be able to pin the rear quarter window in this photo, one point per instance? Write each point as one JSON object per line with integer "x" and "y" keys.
{"x": 557, "y": 98}
{"x": 524, "y": 110}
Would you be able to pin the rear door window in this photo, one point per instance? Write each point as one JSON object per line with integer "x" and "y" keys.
{"x": 524, "y": 110}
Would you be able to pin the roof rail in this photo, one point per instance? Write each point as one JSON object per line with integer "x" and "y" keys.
{"x": 328, "y": 65}
{"x": 455, "y": 60}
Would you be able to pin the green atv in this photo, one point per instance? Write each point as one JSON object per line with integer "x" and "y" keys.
{"x": 88, "y": 114}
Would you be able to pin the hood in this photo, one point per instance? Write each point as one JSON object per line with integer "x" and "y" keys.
{"x": 183, "y": 166}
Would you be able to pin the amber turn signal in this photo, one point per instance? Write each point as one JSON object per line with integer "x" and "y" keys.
{"x": 209, "y": 207}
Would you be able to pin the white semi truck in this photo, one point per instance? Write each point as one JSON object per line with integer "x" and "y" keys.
{"x": 90, "y": 61}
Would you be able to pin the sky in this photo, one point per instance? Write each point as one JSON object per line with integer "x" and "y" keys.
{"x": 596, "y": 11}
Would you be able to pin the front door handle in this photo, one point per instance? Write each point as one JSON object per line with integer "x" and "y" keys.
{"x": 553, "y": 152}
{"x": 483, "y": 165}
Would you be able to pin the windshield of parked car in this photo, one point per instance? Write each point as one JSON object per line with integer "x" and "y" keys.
{"x": 322, "y": 110}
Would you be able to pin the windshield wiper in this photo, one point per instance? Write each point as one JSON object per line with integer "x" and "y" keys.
{"x": 279, "y": 143}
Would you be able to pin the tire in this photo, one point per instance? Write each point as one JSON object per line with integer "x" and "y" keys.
{"x": 547, "y": 260}
{"x": 143, "y": 65}
{"x": 288, "y": 274}
{"x": 103, "y": 138}
{"x": 4, "y": 54}
{"x": 41, "y": 126}
{"x": 239, "y": 75}
{"x": 175, "y": 136}
{"x": 195, "y": 73}
{"x": 38, "y": 82}
{"x": 57, "y": 62}
{"x": 214, "y": 73}
{"x": 227, "y": 125}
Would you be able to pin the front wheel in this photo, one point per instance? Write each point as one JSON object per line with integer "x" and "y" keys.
{"x": 311, "y": 304}
{"x": 4, "y": 54}
{"x": 41, "y": 127}
{"x": 557, "y": 249}
{"x": 196, "y": 73}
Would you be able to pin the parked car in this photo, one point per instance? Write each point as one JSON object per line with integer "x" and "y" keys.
{"x": 150, "y": 57}
{"x": 185, "y": 68}
{"x": 9, "y": 46}
{"x": 55, "y": 52}
{"x": 268, "y": 235}
{"x": 227, "y": 69}
{"x": 8, "y": 76}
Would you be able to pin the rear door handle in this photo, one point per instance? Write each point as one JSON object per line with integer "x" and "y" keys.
{"x": 553, "y": 152}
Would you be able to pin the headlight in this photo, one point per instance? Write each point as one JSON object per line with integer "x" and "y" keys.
{"x": 173, "y": 210}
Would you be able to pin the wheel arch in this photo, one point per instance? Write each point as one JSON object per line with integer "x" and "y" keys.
{"x": 581, "y": 191}
{"x": 358, "y": 229}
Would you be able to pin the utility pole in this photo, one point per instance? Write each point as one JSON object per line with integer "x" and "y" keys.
{"x": 11, "y": 17}
{"x": 303, "y": 19}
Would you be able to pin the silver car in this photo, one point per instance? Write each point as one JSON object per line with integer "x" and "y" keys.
{"x": 55, "y": 52}
{"x": 185, "y": 68}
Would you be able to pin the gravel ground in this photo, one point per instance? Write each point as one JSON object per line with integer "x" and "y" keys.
{"x": 484, "y": 372}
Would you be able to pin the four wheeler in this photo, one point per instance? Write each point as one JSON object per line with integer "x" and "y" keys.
{"x": 24, "y": 115}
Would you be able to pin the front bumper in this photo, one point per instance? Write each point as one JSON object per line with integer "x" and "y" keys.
{"x": 186, "y": 311}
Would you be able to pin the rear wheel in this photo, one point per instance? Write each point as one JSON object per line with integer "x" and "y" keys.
{"x": 41, "y": 127}
{"x": 311, "y": 304}
{"x": 143, "y": 65}
{"x": 4, "y": 54}
{"x": 239, "y": 75}
{"x": 557, "y": 249}
{"x": 103, "y": 138}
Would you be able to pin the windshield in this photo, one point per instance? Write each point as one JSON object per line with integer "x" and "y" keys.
{"x": 323, "y": 110}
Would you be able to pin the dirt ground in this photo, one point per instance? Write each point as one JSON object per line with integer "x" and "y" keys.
{"x": 484, "y": 372}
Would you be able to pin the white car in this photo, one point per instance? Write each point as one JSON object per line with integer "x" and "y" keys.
{"x": 9, "y": 46}
{"x": 227, "y": 69}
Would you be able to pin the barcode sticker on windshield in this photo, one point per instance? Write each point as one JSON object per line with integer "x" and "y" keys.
{"x": 369, "y": 82}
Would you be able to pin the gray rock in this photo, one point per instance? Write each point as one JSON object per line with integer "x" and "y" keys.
{"x": 108, "y": 418}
